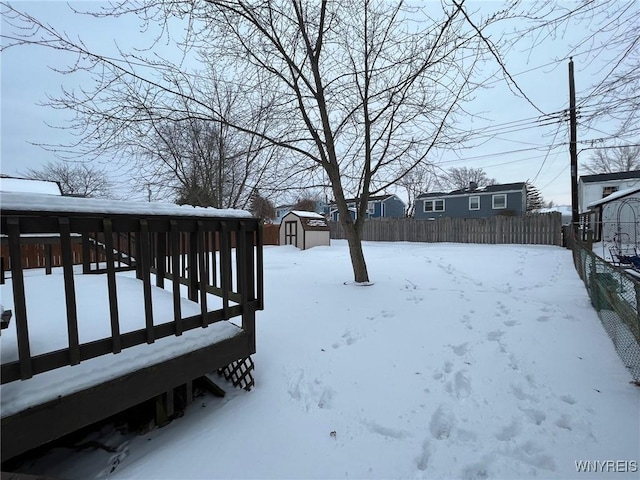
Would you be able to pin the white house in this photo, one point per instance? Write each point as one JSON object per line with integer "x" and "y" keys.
{"x": 592, "y": 188}
{"x": 304, "y": 230}
{"x": 616, "y": 218}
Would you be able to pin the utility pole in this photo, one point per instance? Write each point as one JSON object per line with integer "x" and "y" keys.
{"x": 573, "y": 146}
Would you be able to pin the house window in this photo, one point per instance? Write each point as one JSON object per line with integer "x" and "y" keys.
{"x": 474, "y": 203}
{"x": 434, "y": 205}
{"x": 499, "y": 201}
{"x": 606, "y": 191}
{"x": 371, "y": 208}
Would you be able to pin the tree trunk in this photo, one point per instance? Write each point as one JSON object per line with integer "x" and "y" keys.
{"x": 355, "y": 251}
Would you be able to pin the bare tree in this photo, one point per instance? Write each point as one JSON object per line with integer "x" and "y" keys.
{"x": 362, "y": 92}
{"x": 75, "y": 179}
{"x": 305, "y": 204}
{"x": 422, "y": 179}
{"x": 262, "y": 207}
{"x": 610, "y": 39}
{"x": 610, "y": 160}
{"x": 461, "y": 178}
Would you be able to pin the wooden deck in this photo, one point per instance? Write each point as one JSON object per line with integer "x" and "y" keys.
{"x": 216, "y": 262}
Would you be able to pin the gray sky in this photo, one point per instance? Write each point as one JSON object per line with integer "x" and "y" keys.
{"x": 520, "y": 151}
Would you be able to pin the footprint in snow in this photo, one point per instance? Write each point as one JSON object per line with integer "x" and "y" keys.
{"x": 535, "y": 416}
{"x": 442, "y": 423}
{"x": 461, "y": 349}
{"x": 423, "y": 460}
{"x": 509, "y": 432}
{"x": 462, "y": 384}
{"x": 475, "y": 471}
{"x": 495, "y": 335}
{"x": 310, "y": 394}
{"x": 568, "y": 399}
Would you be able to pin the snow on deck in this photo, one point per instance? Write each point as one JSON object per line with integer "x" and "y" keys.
{"x": 48, "y": 203}
{"x": 46, "y": 313}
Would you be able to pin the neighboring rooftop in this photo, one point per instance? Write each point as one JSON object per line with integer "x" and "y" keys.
{"x": 488, "y": 189}
{"x": 374, "y": 198}
{"x": 603, "y": 177}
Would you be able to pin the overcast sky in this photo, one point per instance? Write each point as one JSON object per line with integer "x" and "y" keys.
{"x": 521, "y": 151}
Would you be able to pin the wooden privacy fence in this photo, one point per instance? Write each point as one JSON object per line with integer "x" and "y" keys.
{"x": 544, "y": 229}
{"x": 45, "y": 252}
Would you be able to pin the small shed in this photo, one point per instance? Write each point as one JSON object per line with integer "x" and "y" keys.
{"x": 304, "y": 230}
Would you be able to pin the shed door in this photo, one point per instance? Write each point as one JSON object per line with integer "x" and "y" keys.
{"x": 291, "y": 233}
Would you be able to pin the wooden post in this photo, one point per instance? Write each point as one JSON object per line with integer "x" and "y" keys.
{"x": 225, "y": 268}
{"x": 143, "y": 241}
{"x": 19, "y": 303}
{"x": 70, "y": 291}
{"x": 192, "y": 269}
{"x": 175, "y": 266}
{"x": 161, "y": 258}
{"x": 111, "y": 285}
{"x": 86, "y": 254}
{"x": 202, "y": 251}
{"x": 48, "y": 258}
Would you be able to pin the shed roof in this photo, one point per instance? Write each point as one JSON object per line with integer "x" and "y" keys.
{"x": 604, "y": 177}
{"x": 310, "y": 220}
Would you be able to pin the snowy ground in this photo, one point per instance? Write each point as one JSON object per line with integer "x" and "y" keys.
{"x": 462, "y": 361}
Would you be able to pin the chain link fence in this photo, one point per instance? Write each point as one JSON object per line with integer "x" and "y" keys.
{"x": 615, "y": 294}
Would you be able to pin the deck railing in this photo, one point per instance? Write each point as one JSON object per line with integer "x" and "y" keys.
{"x": 221, "y": 256}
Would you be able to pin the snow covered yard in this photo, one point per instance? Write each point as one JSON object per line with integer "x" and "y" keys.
{"x": 462, "y": 361}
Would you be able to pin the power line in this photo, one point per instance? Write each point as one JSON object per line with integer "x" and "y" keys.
{"x": 497, "y": 154}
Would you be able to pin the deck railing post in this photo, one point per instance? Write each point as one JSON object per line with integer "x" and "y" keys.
{"x": 161, "y": 258}
{"x": 144, "y": 254}
{"x": 19, "y": 303}
{"x": 202, "y": 270}
{"x": 175, "y": 275}
{"x": 86, "y": 254}
{"x": 192, "y": 268}
{"x": 137, "y": 245}
{"x": 70, "y": 290}
{"x": 111, "y": 284}
{"x": 225, "y": 268}
{"x": 259, "y": 266}
{"x": 48, "y": 258}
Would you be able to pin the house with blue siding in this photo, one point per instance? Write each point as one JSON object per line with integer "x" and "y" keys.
{"x": 380, "y": 206}
{"x": 506, "y": 199}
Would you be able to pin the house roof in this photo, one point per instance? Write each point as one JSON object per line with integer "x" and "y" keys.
{"x": 374, "y": 198}
{"x": 604, "y": 177}
{"x": 615, "y": 196}
{"x": 504, "y": 187}
{"x": 309, "y": 220}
